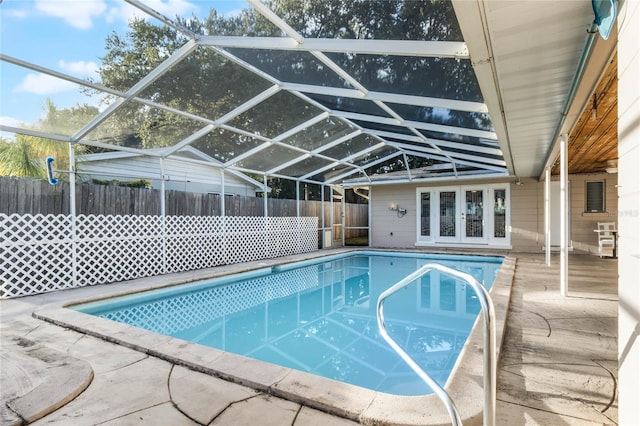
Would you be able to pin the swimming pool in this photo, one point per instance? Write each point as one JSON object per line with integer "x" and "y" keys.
{"x": 319, "y": 316}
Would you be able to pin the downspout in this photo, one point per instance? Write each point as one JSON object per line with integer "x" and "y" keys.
{"x": 586, "y": 52}
{"x": 357, "y": 189}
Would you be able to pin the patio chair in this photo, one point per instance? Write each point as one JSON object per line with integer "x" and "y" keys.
{"x": 605, "y": 235}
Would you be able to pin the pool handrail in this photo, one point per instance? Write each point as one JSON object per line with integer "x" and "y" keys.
{"x": 489, "y": 337}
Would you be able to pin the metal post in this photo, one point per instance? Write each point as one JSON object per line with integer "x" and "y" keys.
{"x": 322, "y": 218}
{"x": 223, "y": 238}
{"x": 564, "y": 255}
{"x": 342, "y": 211}
{"x": 297, "y": 198}
{"x": 266, "y": 229}
{"x": 331, "y": 215}
{"x": 163, "y": 217}
{"x": 162, "y": 189}
{"x": 264, "y": 195}
{"x": 547, "y": 217}
{"x": 222, "y": 206}
{"x": 370, "y": 215}
{"x": 298, "y": 215}
{"x": 72, "y": 213}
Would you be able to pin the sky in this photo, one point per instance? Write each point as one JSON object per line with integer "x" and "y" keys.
{"x": 68, "y": 36}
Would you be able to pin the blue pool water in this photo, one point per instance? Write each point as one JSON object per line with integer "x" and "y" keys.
{"x": 320, "y": 316}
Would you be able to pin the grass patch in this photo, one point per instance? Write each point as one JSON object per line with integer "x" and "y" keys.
{"x": 357, "y": 241}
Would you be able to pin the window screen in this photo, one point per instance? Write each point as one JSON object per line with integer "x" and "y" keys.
{"x": 595, "y": 197}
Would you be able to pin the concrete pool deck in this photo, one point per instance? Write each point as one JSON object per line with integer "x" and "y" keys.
{"x": 558, "y": 362}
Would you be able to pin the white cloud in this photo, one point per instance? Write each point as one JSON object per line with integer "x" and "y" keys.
{"x": 125, "y": 12}
{"x": 79, "y": 68}
{"x": 171, "y": 8}
{"x": 168, "y": 8}
{"x": 10, "y": 121}
{"x": 13, "y": 13}
{"x": 43, "y": 84}
{"x": 77, "y": 13}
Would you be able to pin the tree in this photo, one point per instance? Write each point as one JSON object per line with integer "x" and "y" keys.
{"x": 25, "y": 156}
{"x": 209, "y": 85}
{"x": 17, "y": 158}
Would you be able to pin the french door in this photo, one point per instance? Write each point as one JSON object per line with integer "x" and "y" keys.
{"x": 461, "y": 217}
{"x": 462, "y": 214}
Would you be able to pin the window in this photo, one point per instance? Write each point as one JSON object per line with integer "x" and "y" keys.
{"x": 594, "y": 199}
{"x": 499, "y": 213}
{"x": 425, "y": 214}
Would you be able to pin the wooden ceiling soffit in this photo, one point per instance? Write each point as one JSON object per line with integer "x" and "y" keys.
{"x": 593, "y": 142}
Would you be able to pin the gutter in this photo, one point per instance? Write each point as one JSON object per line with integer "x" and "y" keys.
{"x": 586, "y": 53}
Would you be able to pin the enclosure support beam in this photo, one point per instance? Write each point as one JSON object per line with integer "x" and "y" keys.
{"x": 331, "y": 218}
{"x": 162, "y": 189}
{"x": 72, "y": 211}
{"x": 143, "y": 83}
{"x": 163, "y": 212}
{"x": 342, "y": 215}
{"x": 369, "y": 213}
{"x": 297, "y": 198}
{"x": 322, "y": 215}
{"x": 564, "y": 258}
{"x": 547, "y": 217}
{"x": 264, "y": 195}
{"x": 222, "y": 206}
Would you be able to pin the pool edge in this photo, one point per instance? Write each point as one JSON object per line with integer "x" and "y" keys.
{"x": 363, "y": 405}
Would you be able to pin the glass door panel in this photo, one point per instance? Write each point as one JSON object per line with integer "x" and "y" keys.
{"x": 448, "y": 216}
{"x": 457, "y": 214}
{"x": 425, "y": 215}
{"x": 499, "y": 213}
{"x": 474, "y": 216}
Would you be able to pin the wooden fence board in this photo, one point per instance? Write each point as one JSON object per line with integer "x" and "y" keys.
{"x": 35, "y": 196}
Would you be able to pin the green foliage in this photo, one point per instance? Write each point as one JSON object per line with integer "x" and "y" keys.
{"x": 207, "y": 84}
{"x": 138, "y": 183}
{"x": 17, "y": 158}
{"x": 25, "y": 156}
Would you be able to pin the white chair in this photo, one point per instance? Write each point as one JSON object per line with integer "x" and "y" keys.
{"x": 605, "y": 235}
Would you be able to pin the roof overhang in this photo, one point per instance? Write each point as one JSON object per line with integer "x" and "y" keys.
{"x": 536, "y": 63}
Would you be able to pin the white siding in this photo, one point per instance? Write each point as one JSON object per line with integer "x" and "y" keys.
{"x": 629, "y": 212}
{"x": 182, "y": 175}
{"x": 527, "y": 214}
{"x": 387, "y": 229}
{"x": 583, "y": 223}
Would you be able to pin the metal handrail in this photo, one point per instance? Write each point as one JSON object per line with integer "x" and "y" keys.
{"x": 489, "y": 364}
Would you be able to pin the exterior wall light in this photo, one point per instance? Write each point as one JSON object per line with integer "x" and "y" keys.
{"x": 401, "y": 210}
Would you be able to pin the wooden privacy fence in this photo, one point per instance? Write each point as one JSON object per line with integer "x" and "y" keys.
{"x": 35, "y": 196}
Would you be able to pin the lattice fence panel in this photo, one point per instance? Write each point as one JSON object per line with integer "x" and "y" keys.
{"x": 118, "y": 248}
{"x": 290, "y": 235}
{"x": 35, "y": 254}
{"x": 244, "y": 239}
{"x": 39, "y": 253}
{"x": 193, "y": 242}
{"x": 196, "y": 308}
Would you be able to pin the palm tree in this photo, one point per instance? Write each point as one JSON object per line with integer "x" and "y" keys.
{"x": 18, "y": 158}
{"x": 26, "y": 155}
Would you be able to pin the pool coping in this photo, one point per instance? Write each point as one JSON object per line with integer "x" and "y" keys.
{"x": 363, "y": 405}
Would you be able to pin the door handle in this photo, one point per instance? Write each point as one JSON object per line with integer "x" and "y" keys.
{"x": 463, "y": 218}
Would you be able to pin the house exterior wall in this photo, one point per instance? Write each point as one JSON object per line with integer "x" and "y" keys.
{"x": 629, "y": 212}
{"x": 387, "y": 229}
{"x": 583, "y": 239}
{"x": 527, "y": 213}
{"x": 182, "y": 176}
{"x": 527, "y": 216}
